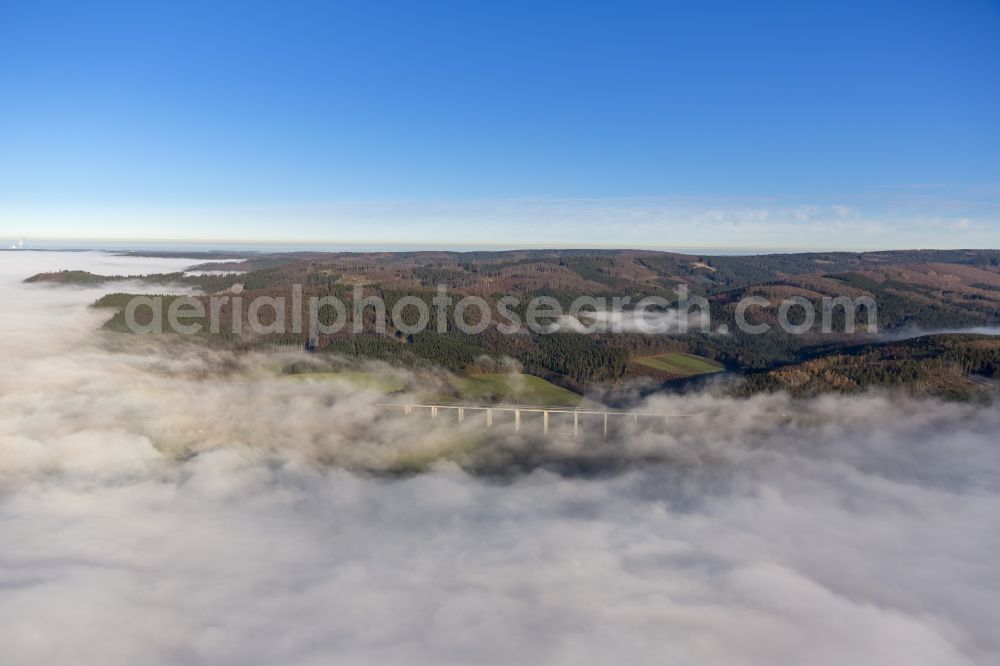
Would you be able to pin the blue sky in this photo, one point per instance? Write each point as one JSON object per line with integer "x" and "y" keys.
{"x": 710, "y": 124}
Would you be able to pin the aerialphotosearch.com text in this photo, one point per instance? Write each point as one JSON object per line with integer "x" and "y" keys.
{"x": 411, "y": 314}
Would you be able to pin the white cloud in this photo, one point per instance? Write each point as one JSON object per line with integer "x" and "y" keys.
{"x": 632, "y": 321}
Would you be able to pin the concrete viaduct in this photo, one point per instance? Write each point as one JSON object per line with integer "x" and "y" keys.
{"x": 486, "y": 414}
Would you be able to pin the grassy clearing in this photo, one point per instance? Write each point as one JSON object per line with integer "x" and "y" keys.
{"x": 516, "y": 388}
{"x": 373, "y": 381}
{"x": 684, "y": 365}
{"x": 490, "y": 388}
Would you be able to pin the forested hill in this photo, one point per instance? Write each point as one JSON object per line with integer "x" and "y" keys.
{"x": 912, "y": 289}
{"x": 952, "y": 366}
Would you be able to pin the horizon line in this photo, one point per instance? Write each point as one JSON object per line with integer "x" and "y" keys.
{"x": 471, "y": 246}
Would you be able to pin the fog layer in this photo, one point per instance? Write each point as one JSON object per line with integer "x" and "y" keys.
{"x": 164, "y": 504}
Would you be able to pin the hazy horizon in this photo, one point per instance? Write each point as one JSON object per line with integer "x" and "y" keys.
{"x": 180, "y": 245}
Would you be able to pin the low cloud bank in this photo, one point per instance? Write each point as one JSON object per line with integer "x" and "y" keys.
{"x": 164, "y": 504}
{"x": 641, "y": 321}
{"x": 909, "y": 333}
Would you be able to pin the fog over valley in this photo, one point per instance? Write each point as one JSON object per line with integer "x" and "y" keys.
{"x": 166, "y": 502}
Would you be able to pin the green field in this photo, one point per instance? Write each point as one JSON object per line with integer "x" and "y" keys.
{"x": 683, "y": 365}
{"x": 512, "y": 388}
{"x": 383, "y": 383}
{"x": 515, "y": 388}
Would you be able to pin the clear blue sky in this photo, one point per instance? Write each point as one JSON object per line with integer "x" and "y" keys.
{"x": 791, "y": 124}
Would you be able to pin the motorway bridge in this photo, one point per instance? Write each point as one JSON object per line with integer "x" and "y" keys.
{"x": 551, "y": 418}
